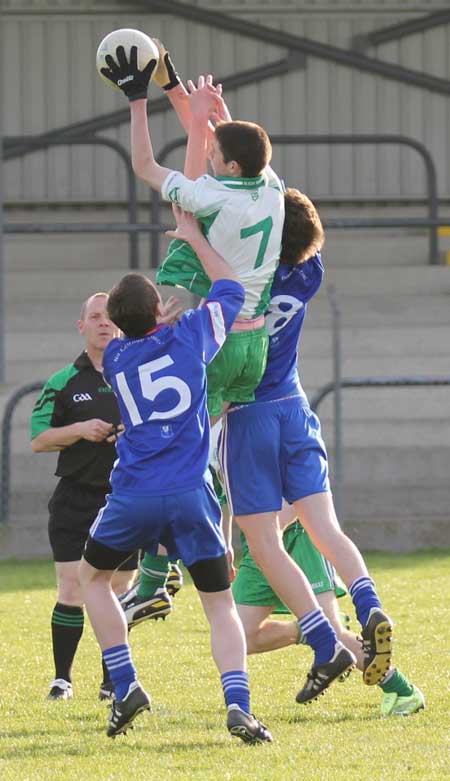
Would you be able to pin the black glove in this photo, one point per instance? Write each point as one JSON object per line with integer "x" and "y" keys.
{"x": 165, "y": 75}
{"x": 174, "y": 78}
{"x": 126, "y": 75}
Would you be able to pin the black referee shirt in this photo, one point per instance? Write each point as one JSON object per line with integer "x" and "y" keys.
{"x": 76, "y": 393}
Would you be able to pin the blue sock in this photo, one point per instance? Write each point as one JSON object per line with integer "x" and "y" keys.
{"x": 121, "y": 668}
{"x": 364, "y": 596}
{"x": 319, "y": 634}
{"x": 235, "y": 689}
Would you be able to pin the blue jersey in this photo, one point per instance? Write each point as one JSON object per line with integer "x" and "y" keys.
{"x": 160, "y": 383}
{"x": 292, "y": 288}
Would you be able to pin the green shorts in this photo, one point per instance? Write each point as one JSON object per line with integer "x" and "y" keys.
{"x": 237, "y": 368}
{"x": 250, "y": 587}
{"x": 182, "y": 268}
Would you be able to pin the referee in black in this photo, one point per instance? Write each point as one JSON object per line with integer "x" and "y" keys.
{"x": 77, "y": 414}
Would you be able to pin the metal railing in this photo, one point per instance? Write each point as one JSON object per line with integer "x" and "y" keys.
{"x": 28, "y": 146}
{"x": 394, "y": 32}
{"x": 308, "y": 46}
{"x": 432, "y": 222}
{"x": 5, "y": 478}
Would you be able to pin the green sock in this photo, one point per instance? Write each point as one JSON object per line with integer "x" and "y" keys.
{"x": 154, "y": 571}
{"x": 396, "y": 682}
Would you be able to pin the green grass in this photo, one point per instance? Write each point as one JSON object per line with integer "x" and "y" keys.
{"x": 340, "y": 737}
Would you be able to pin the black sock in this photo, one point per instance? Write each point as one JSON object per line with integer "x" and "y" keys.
{"x": 67, "y": 628}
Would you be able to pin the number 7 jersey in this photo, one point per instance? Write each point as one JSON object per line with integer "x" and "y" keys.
{"x": 160, "y": 384}
{"x": 243, "y": 220}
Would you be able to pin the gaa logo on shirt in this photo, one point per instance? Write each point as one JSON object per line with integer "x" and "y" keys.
{"x": 82, "y": 397}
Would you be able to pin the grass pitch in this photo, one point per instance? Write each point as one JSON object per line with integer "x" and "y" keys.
{"x": 339, "y": 738}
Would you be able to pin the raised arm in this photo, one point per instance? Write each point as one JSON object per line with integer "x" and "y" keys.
{"x": 166, "y": 77}
{"x": 203, "y": 102}
{"x": 188, "y": 230}
{"x": 198, "y": 126}
{"x": 133, "y": 82}
{"x": 144, "y": 163}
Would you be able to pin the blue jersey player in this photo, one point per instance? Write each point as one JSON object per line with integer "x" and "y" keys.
{"x": 161, "y": 489}
{"x": 278, "y": 437}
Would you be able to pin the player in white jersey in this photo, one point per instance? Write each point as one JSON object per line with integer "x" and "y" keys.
{"x": 241, "y": 206}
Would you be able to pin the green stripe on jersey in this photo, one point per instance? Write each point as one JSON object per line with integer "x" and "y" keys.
{"x": 238, "y": 183}
{"x": 41, "y": 417}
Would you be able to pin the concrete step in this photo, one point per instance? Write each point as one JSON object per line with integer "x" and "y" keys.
{"x": 389, "y": 309}
{"x": 372, "y": 279}
{"x": 315, "y": 372}
{"x": 82, "y": 252}
{"x": 382, "y": 246}
{"x": 356, "y": 342}
{"x": 23, "y": 539}
{"x": 30, "y": 504}
{"x": 75, "y": 284}
{"x": 363, "y": 341}
{"x": 384, "y": 466}
{"x": 62, "y": 314}
{"x": 67, "y": 284}
{"x": 70, "y": 285}
{"x": 33, "y": 472}
{"x": 358, "y": 347}
{"x": 420, "y": 435}
{"x": 423, "y": 405}
{"x": 397, "y": 502}
{"x": 399, "y": 534}
{"x": 366, "y": 311}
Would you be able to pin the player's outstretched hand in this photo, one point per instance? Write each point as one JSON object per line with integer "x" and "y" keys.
{"x": 169, "y": 312}
{"x": 204, "y": 96}
{"x": 165, "y": 75}
{"x": 187, "y": 228}
{"x": 221, "y": 112}
{"x": 126, "y": 75}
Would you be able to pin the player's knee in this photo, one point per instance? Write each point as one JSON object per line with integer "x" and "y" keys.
{"x": 266, "y": 550}
{"x": 210, "y": 575}
{"x": 122, "y": 581}
{"x": 253, "y": 640}
{"x": 69, "y": 591}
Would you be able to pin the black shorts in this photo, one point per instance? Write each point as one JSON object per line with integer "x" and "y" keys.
{"x": 73, "y": 508}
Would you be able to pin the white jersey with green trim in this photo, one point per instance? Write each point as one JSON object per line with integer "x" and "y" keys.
{"x": 244, "y": 222}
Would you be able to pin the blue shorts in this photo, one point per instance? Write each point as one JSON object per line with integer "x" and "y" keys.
{"x": 187, "y": 524}
{"x": 269, "y": 451}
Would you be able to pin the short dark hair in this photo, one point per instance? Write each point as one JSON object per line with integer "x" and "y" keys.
{"x": 303, "y": 234}
{"x": 246, "y": 143}
{"x": 132, "y": 305}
